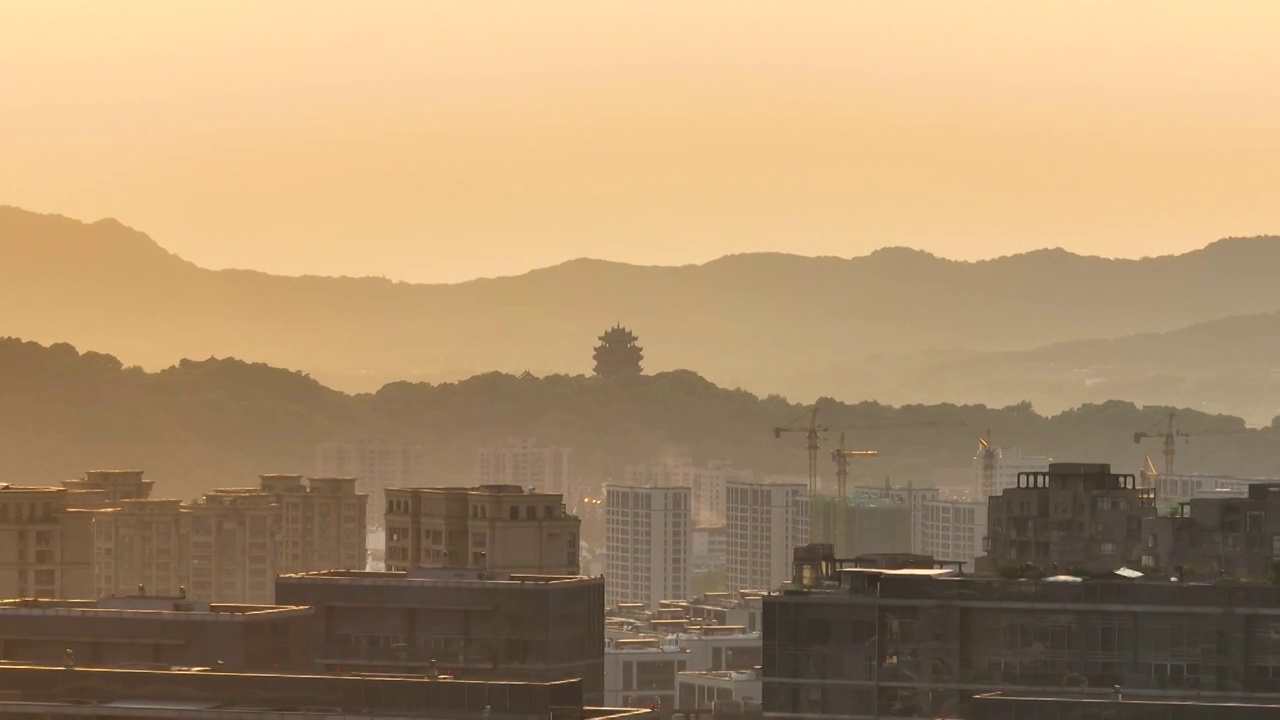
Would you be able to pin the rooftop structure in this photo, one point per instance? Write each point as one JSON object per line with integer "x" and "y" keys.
{"x": 114, "y": 485}
{"x": 1121, "y": 704}
{"x": 154, "y": 630}
{"x": 203, "y": 694}
{"x": 475, "y": 623}
{"x": 849, "y": 642}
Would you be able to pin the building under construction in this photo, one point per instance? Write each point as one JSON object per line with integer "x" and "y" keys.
{"x": 862, "y": 523}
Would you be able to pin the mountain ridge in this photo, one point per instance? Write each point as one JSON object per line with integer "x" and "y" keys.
{"x": 770, "y": 322}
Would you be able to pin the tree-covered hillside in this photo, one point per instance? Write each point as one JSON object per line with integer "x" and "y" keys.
{"x": 220, "y": 422}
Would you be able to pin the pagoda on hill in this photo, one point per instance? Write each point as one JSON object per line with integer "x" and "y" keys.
{"x": 617, "y": 354}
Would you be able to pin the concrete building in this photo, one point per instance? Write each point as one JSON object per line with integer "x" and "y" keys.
{"x": 1007, "y": 465}
{"x": 231, "y": 551}
{"x": 765, "y": 522}
{"x": 526, "y": 463}
{"x": 862, "y": 523}
{"x": 377, "y": 465}
{"x": 648, "y": 543}
{"x": 859, "y": 642}
{"x": 710, "y": 549}
{"x": 1076, "y": 515}
{"x": 1216, "y": 537}
{"x": 472, "y": 624}
{"x": 113, "y": 486}
{"x": 142, "y": 543}
{"x": 951, "y": 530}
{"x": 707, "y": 482}
{"x": 702, "y": 690}
{"x": 46, "y": 547}
{"x": 1173, "y": 489}
{"x": 1120, "y": 705}
{"x": 155, "y": 630}
{"x": 502, "y": 528}
{"x": 320, "y": 523}
{"x": 643, "y": 669}
{"x": 198, "y": 694}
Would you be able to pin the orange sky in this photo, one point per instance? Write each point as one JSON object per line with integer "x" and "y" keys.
{"x": 440, "y": 140}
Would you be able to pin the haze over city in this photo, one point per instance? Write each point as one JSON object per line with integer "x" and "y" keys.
{"x": 577, "y": 360}
{"x": 443, "y": 141}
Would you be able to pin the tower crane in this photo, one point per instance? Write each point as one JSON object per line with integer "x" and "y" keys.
{"x": 814, "y": 430}
{"x": 1171, "y": 434}
{"x": 988, "y": 454}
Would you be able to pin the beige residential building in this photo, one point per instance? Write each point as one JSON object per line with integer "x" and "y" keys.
{"x": 648, "y": 544}
{"x": 110, "y": 487}
{"x": 46, "y": 547}
{"x": 502, "y": 528}
{"x": 526, "y": 463}
{"x": 320, "y": 523}
{"x": 141, "y": 548}
{"x": 377, "y": 465}
{"x": 231, "y": 556}
{"x": 765, "y": 522}
{"x": 707, "y": 482}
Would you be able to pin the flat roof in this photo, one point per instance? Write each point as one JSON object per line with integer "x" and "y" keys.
{"x": 1138, "y": 697}
{"x": 431, "y": 576}
{"x": 146, "y": 606}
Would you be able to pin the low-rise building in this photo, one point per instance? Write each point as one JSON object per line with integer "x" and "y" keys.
{"x": 1216, "y": 537}
{"x": 151, "y": 630}
{"x": 473, "y": 623}
{"x": 642, "y": 669}
{"x": 702, "y": 690}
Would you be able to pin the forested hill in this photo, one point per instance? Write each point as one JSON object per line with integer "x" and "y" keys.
{"x": 220, "y": 422}
{"x": 868, "y": 326}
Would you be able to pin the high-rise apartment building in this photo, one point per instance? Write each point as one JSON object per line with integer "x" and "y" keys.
{"x": 707, "y": 482}
{"x": 765, "y": 522}
{"x": 1076, "y": 515}
{"x": 648, "y": 544}
{"x": 232, "y": 556}
{"x": 229, "y": 546}
{"x": 526, "y": 463}
{"x": 141, "y": 547}
{"x": 319, "y": 524}
{"x": 46, "y": 547}
{"x": 376, "y": 464}
{"x": 501, "y": 528}
{"x": 951, "y": 530}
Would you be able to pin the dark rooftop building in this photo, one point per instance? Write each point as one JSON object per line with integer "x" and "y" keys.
{"x": 202, "y": 694}
{"x": 1120, "y": 705}
{"x": 155, "y": 630}
{"x": 1232, "y": 537}
{"x": 471, "y": 623}
{"x": 854, "y": 642}
{"x": 1075, "y": 516}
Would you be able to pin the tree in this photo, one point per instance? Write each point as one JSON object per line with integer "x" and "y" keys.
{"x": 617, "y": 354}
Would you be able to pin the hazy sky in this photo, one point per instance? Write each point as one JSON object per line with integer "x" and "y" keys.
{"x": 434, "y": 140}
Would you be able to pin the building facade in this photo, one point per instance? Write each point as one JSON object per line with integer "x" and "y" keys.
{"x": 1075, "y": 516}
{"x": 141, "y": 544}
{"x": 764, "y": 522}
{"x": 377, "y": 465}
{"x": 862, "y": 643}
{"x": 113, "y": 486}
{"x": 152, "y": 630}
{"x": 707, "y": 482}
{"x": 527, "y": 463}
{"x": 231, "y": 552}
{"x": 320, "y": 523}
{"x": 502, "y": 528}
{"x": 863, "y": 523}
{"x": 46, "y": 547}
{"x": 473, "y": 625}
{"x": 1236, "y": 537}
{"x": 951, "y": 530}
{"x": 648, "y": 543}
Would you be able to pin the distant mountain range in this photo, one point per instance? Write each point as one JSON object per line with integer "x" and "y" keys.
{"x": 1058, "y": 329}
